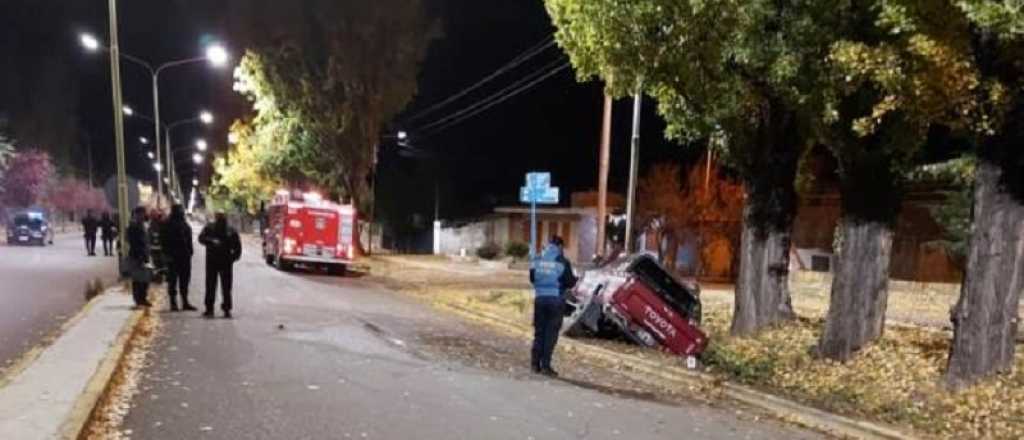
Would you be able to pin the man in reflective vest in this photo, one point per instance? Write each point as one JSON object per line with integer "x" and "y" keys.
{"x": 551, "y": 275}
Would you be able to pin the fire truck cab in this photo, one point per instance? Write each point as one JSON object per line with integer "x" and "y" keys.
{"x": 304, "y": 229}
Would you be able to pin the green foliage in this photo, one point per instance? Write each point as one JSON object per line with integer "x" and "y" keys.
{"x": 322, "y": 94}
{"x": 489, "y": 251}
{"x": 517, "y": 250}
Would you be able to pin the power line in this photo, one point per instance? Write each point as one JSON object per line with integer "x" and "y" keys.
{"x": 493, "y": 100}
{"x": 521, "y": 58}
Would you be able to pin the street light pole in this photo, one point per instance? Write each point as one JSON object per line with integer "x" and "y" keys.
{"x": 122, "y": 178}
{"x": 156, "y": 134}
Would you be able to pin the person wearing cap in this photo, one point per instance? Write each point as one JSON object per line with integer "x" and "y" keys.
{"x": 552, "y": 276}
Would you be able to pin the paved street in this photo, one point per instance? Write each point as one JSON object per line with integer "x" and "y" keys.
{"x": 41, "y": 287}
{"x": 315, "y": 357}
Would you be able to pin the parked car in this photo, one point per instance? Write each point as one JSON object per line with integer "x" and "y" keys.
{"x": 29, "y": 228}
{"x": 634, "y": 296}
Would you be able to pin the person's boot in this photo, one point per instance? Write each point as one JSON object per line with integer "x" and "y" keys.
{"x": 174, "y": 305}
{"x": 548, "y": 371}
{"x": 208, "y": 314}
{"x": 187, "y": 307}
{"x": 227, "y": 314}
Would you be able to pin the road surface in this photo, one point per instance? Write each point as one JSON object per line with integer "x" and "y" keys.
{"x": 41, "y": 287}
{"x": 315, "y": 357}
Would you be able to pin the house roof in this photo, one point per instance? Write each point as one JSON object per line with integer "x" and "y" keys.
{"x": 544, "y": 210}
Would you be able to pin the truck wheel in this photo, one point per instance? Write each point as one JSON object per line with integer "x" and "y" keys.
{"x": 337, "y": 269}
{"x": 282, "y": 265}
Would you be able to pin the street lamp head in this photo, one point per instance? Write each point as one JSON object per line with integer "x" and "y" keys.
{"x": 158, "y": 167}
{"x": 197, "y": 158}
{"x": 127, "y": 111}
{"x": 89, "y": 42}
{"x": 195, "y": 182}
{"x": 402, "y": 135}
{"x": 201, "y": 144}
{"x": 144, "y": 140}
{"x": 150, "y": 154}
{"x": 217, "y": 55}
{"x": 206, "y": 117}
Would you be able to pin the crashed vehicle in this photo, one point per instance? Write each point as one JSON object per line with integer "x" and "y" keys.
{"x": 634, "y": 296}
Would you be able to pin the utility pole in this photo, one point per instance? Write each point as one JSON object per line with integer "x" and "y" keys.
{"x": 634, "y": 158}
{"x": 122, "y": 178}
{"x": 602, "y": 176}
{"x": 156, "y": 137}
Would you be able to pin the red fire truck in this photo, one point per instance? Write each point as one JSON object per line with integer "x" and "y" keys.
{"x": 303, "y": 229}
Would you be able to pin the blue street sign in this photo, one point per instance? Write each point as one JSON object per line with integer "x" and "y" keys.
{"x": 538, "y": 189}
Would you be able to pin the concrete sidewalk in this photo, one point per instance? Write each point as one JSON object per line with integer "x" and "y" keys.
{"x": 53, "y": 395}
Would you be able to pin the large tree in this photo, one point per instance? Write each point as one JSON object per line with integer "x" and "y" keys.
{"x": 985, "y": 318}
{"x": 737, "y": 72}
{"x": 896, "y": 69}
{"x": 323, "y": 92}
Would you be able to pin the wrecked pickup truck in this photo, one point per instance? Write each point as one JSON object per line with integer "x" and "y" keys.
{"x": 634, "y": 296}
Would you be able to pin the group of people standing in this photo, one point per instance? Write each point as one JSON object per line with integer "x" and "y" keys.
{"x": 105, "y": 227}
{"x": 174, "y": 250}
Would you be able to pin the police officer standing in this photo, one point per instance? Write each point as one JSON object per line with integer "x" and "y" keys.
{"x": 177, "y": 247}
{"x": 89, "y": 226}
{"x": 223, "y": 249}
{"x": 551, "y": 276}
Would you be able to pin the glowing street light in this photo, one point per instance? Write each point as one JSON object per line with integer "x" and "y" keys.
{"x": 201, "y": 145}
{"x": 128, "y": 111}
{"x": 89, "y": 42}
{"x": 206, "y": 117}
{"x": 197, "y": 158}
{"x": 195, "y": 182}
{"x": 232, "y": 138}
{"x": 403, "y": 135}
{"x": 158, "y": 167}
{"x": 143, "y": 140}
{"x": 217, "y": 55}
{"x": 151, "y": 155}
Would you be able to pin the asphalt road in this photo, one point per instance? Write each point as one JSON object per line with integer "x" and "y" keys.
{"x": 41, "y": 287}
{"x": 315, "y": 357}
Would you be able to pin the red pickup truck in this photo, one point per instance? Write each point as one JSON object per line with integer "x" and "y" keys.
{"x": 635, "y": 296}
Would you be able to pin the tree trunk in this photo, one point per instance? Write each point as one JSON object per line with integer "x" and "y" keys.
{"x": 762, "y": 287}
{"x": 768, "y": 167}
{"x": 860, "y": 289}
{"x": 985, "y": 318}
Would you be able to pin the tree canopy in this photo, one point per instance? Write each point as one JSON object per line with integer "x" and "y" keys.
{"x": 322, "y": 95}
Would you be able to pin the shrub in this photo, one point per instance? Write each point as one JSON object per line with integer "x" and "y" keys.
{"x": 488, "y": 251}
{"x": 517, "y": 250}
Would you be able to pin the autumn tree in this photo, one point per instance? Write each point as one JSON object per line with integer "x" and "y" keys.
{"x": 240, "y": 180}
{"x": 985, "y": 318}
{"x": 27, "y": 179}
{"x": 738, "y": 72}
{"x": 323, "y": 91}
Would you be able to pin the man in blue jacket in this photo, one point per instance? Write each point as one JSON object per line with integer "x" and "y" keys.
{"x": 551, "y": 275}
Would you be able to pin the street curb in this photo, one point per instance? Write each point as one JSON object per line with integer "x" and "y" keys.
{"x": 780, "y": 407}
{"x": 74, "y": 426}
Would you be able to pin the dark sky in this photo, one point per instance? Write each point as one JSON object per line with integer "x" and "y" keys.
{"x": 477, "y": 164}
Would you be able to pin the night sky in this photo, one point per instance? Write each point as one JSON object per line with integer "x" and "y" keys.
{"x": 477, "y": 164}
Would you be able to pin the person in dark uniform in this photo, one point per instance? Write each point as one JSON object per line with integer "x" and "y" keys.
{"x": 89, "y": 226}
{"x": 223, "y": 249}
{"x": 177, "y": 248}
{"x": 138, "y": 256}
{"x": 551, "y": 275}
{"x": 107, "y": 233}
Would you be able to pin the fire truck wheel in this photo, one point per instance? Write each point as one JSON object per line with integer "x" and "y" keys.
{"x": 337, "y": 270}
{"x": 282, "y": 265}
{"x": 269, "y": 259}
